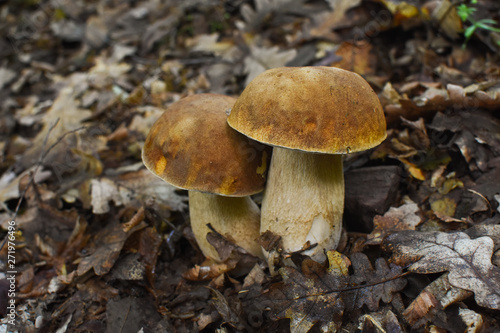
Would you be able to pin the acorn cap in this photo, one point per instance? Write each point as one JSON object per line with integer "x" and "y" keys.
{"x": 316, "y": 109}
{"x": 191, "y": 147}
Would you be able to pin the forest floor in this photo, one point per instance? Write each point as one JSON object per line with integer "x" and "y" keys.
{"x": 93, "y": 242}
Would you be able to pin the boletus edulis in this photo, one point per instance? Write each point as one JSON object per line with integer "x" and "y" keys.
{"x": 312, "y": 116}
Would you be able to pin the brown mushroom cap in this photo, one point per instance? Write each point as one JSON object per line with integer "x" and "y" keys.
{"x": 315, "y": 109}
{"x": 191, "y": 147}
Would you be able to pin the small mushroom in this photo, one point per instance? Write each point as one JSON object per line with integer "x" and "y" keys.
{"x": 191, "y": 147}
{"x": 311, "y": 116}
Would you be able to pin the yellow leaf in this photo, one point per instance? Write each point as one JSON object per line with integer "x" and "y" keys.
{"x": 445, "y": 206}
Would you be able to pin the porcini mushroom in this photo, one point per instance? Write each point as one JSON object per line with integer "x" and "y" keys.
{"x": 311, "y": 116}
{"x": 191, "y": 147}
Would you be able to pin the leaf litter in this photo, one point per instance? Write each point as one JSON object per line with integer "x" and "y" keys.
{"x": 98, "y": 235}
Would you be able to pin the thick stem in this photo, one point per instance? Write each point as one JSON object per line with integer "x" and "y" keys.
{"x": 304, "y": 200}
{"x": 235, "y": 218}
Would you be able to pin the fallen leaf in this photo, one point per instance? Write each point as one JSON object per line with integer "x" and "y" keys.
{"x": 159, "y": 29}
{"x": 473, "y": 320}
{"x": 131, "y": 314}
{"x": 206, "y": 272}
{"x": 106, "y": 248}
{"x": 264, "y": 9}
{"x": 468, "y": 261}
{"x": 444, "y": 207}
{"x": 334, "y": 18}
{"x": 63, "y": 117}
{"x": 318, "y": 295}
{"x": 444, "y": 13}
{"x": 9, "y": 183}
{"x": 261, "y": 59}
{"x": 356, "y": 57}
{"x": 374, "y": 285}
{"x": 225, "y": 49}
{"x": 6, "y": 76}
{"x": 404, "y": 217}
{"x": 383, "y": 321}
{"x": 123, "y": 188}
{"x": 232, "y": 256}
{"x": 128, "y": 268}
{"x": 438, "y": 295}
{"x": 105, "y": 190}
{"x": 421, "y": 307}
{"x": 225, "y": 310}
{"x": 106, "y": 71}
{"x": 308, "y": 298}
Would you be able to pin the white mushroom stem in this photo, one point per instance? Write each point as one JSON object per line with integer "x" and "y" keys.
{"x": 304, "y": 200}
{"x": 235, "y": 218}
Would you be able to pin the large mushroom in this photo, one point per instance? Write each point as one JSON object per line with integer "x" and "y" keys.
{"x": 311, "y": 116}
{"x": 191, "y": 147}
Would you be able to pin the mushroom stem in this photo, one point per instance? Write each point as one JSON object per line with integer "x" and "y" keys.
{"x": 235, "y": 218}
{"x": 304, "y": 200}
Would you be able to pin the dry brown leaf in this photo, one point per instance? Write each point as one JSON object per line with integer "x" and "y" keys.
{"x": 476, "y": 132}
{"x": 334, "y": 18}
{"x": 308, "y": 298}
{"x": 264, "y": 9}
{"x": 105, "y": 190}
{"x": 226, "y": 49}
{"x": 224, "y": 309}
{"x": 207, "y": 271}
{"x": 319, "y": 294}
{"x": 6, "y": 76}
{"x": 9, "y": 183}
{"x": 468, "y": 261}
{"x": 436, "y": 296}
{"x": 356, "y": 58}
{"x": 376, "y": 284}
{"x": 261, "y": 59}
{"x": 106, "y": 248}
{"x": 382, "y": 321}
{"x": 67, "y": 116}
{"x": 421, "y": 307}
{"x": 140, "y": 185}
{"x": 106, "y": 71}
{"x": 444, "y": 14}
{"x": 404, "y": 217}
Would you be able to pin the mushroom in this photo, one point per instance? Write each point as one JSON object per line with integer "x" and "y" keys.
{"x": 191, "y": 147}
{"x": 311, "y": 116}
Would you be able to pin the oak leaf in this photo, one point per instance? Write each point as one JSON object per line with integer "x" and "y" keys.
{"x": 376, "y": 284}
{"x": 319, "y": 294}
{"x": 309, "y": 297}
{"x": 467, "y": 260}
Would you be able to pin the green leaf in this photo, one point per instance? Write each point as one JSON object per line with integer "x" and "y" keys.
{"x": 465, "y": 11}
{"x": 469, "y": 31}
{"x": 483, "y": 24}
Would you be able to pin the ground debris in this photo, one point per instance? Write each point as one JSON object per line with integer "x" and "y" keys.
{"x": 103, "y": 245}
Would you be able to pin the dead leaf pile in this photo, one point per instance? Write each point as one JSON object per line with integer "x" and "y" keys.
{"x": 315, "y": 294}
{"x": 98, "y": 236}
